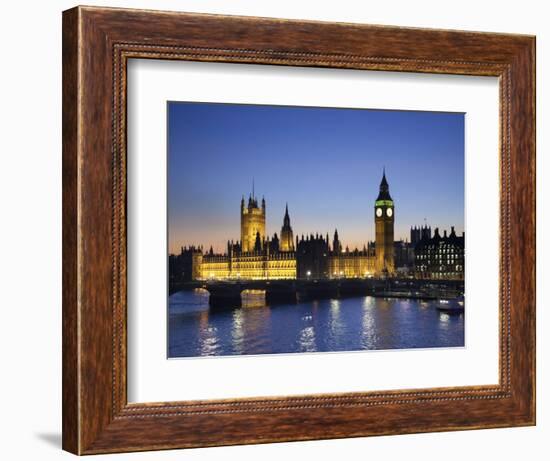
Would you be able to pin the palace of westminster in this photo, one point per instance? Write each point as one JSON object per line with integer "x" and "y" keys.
{"x": 257, "y": 256}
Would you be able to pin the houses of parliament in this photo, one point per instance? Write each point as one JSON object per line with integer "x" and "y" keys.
{"x": 285, "y": 256}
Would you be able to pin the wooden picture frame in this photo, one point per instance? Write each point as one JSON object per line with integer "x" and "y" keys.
{"x": 97, "y": 43}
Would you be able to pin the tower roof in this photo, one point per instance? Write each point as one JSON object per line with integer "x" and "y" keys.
{"x": 384, "y": 193}
{"x": 286, "y": 219}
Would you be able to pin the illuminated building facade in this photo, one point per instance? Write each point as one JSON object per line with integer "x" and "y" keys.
{"x": 356, "y": 263}
{"x": 252, "y": 223}
{"x": 254, "y": 257}
{"x": 316, "y": 259}
{"x": 440, "y": 257}
{"x": 257, "y": 256}
{"x": 314, "y": 256}
{"x": 384, "y": 218}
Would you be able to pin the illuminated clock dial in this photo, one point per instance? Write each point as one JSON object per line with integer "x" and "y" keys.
{"x": 389, "y": 212}
{"x": 379, "y": 212}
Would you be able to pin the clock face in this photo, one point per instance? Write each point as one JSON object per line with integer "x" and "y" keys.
{"x": 379, "y": 212}
{"x": 389, "y": 212}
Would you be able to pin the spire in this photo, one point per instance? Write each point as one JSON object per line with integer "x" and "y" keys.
{"x": 252, "y": 201}
{"x": 336, "y": 247}
{"x": 384, "y": 193}
{"x": 384, "y": 182}
{"x": 286, "y": 219}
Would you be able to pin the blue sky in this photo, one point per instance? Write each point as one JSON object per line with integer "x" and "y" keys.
{"x": 326, "y": 163}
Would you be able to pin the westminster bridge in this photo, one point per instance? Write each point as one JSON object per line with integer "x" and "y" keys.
{"x": 229, "y": 293}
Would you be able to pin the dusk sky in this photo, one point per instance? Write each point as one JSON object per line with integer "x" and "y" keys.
{"x": 326, "y": 163}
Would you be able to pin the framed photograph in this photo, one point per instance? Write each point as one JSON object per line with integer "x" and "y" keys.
{"x": 280, "y": 230}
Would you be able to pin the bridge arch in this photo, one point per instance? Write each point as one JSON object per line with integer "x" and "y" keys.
{"x": 250, "y": 294}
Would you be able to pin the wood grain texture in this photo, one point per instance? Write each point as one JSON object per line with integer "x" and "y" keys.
{"x": 70, "y": 384}
{"x": 97, "y": 43}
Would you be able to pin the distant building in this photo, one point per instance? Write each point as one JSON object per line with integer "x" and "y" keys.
{"x": 257, "y": 256}
{"x": 420, "y": 233}
{"x": 312, "y": 254}
{"x": 384, "y": 216}
{"x": 404, "y": 250}
{"x": 440, "y": 257}
{"x": 403, "y": 257}
{"x": 187, "y": 265}
{"x": 353, "y": 263}
{"x": 254, "y": 257}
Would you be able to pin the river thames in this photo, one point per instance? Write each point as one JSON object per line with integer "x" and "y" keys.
{"x": 327, "y": 325}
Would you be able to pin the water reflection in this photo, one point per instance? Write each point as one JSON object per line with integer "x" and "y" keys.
{"x": 237, "y": 331}
{"x": 208, "y": 339}
{"x": 253, "y": 298}
{"x": 315, "y": 326}
{"x": 368, "y": 333}
{"x": 444, "y": 319}
{"x": 307, "y": 339}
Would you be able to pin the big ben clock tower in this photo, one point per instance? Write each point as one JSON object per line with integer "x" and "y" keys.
{"x": 383, "y": 219}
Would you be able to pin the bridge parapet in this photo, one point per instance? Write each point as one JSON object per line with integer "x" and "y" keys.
{"x": 228, "y": 294}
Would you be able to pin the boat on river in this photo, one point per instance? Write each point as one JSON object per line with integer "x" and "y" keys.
{"x": 451, "y": 306}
